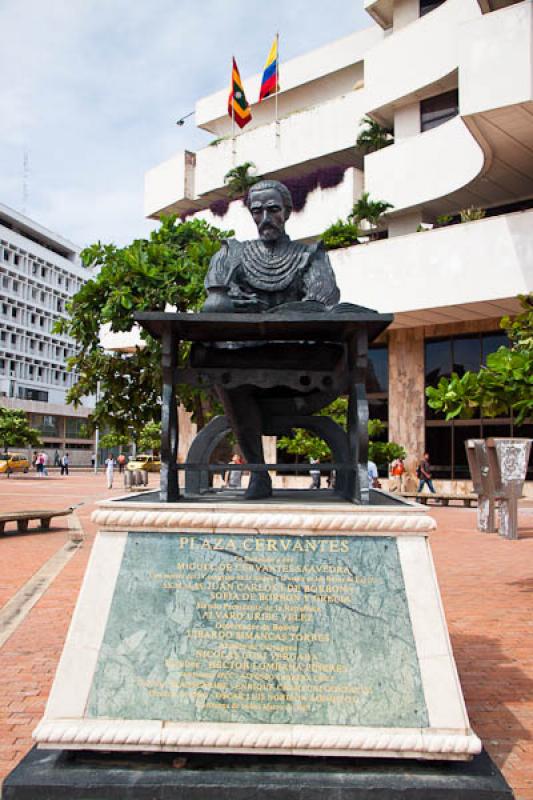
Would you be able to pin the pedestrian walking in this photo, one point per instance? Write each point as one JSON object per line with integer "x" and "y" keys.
{"x": 64, "y": 464}
{"x": 121, "y": 461}
{"x": 39, "y": 464}
{"x": 423, "y": 473}
{"x": 109, "y": 471}
{"x": 45, "y": 463}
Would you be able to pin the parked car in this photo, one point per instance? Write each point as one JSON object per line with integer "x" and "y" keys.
{"x": 149, "y": 463}
{"x": 13, "y": 462}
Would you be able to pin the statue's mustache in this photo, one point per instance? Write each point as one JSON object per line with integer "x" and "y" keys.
{"x": 268, "y": 226}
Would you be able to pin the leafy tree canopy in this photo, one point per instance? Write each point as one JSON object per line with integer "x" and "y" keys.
{"x": 341, "y": 234}
{"x": 15, "y": 430}
{"x": 373, "y": 136}
{"x": 150, "y": 437}
{"x": 239, "y": 179}
{"x": 505, "y": 384}
{"x": 146, "y": 275}
{"x": 304, "y": 444}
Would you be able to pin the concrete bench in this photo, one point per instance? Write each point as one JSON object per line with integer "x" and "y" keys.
{"x": 23, "y": 518}
{"x": 440, "y": 499}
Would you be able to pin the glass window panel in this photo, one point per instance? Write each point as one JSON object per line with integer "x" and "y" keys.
{"x": 439, "y": 447}
{"x": 491, "y": 342}
{"x": 75, "y": 428}
{"x": 378, "y": 408}
{"x": 460, "y": 434}
{"x": 466, "y": 354}
{"x": 377, "y": 378}
{"x": 438, "y": 357}
{"x": 429, "y": 5}
{"x": 436, "y": 110}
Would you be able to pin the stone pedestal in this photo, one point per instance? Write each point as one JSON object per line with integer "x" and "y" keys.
{"x": 295, "y": 629}
{"x": 82, "y": 775}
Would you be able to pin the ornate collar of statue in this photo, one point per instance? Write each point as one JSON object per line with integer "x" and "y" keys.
{"x": 273, "y": 270}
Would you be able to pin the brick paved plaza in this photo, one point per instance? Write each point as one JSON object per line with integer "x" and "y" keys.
{"x": 486, "y": 584}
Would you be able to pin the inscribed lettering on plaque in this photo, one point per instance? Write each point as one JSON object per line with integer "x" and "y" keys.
{"x": 257, "y": 629}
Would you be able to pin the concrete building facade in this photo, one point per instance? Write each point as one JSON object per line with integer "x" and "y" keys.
{"x": 453, "y": 81}
{"x": 39, "y": 273}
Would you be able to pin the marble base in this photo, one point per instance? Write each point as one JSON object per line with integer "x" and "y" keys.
{"x": 131, "y": 616}
{"x": 67, "y": 775}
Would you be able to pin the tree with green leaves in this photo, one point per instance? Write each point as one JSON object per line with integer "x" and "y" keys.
{"x": 15, "y": 430}
{"x": 150, "y": 437}
{"x": 373, "y": 136}
{"x": 168, "y": 268}
{"x": 307, "y": 446}
{"x": 341, "y": 234}
{"x": 503, "y": 386}
{"x": 239, "y": 180}
{"x": 367, "y": 210}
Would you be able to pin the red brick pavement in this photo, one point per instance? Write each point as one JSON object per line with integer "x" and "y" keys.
{"x": 486, "y": 584}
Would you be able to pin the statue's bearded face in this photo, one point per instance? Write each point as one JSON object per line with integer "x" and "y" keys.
{"x": 269, "y": 213}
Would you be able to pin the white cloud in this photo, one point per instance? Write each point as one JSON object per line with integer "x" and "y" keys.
{"x": 92, "y": 89}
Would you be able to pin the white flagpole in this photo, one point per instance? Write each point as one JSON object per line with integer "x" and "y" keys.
{"x": 277, "y": 88}
{"x": 233, "y": 141}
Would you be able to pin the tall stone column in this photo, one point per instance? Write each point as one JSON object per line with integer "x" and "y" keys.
{"x": 406, "y": 390}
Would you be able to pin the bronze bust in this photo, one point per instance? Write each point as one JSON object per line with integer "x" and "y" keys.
{"x": 268, "y": 273}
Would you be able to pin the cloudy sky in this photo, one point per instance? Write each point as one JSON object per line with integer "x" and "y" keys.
{"x": 91, "y": 90}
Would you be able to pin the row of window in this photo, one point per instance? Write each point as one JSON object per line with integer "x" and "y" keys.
{"x": 25, "y": 371}
{"x": 445, "y": 441}
{"x": 25, "y": 343}
{"x": 47, "y": 298}
{"x": 51, "y": 425}
{"x": 52, "y": 274}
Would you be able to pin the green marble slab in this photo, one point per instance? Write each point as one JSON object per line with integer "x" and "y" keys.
{"x": 258, "y": 629}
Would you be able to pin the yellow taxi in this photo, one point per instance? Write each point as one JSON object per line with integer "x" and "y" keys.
{"x": 13, "y": 462}
{"x": 149, "y": 463}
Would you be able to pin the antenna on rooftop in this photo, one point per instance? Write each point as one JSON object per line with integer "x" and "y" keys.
{"x": 25, "y": 180}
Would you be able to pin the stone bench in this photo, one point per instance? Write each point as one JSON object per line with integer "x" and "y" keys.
{"x": 23, "y": 518}
{"x": 440, "y": 499}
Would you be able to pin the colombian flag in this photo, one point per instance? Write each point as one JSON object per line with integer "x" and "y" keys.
{"x": 238, "y": 107}
{"x": 269, "y": 84}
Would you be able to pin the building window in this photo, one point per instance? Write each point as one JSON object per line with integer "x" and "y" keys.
{"x": 435, "y": 111}
{"x": 445, "y": 440}
{"x": 47, "y": 424}
{"x": 76, "y": 428}
{"x": 429, "y": 5}
{"x": 33, "y": 394}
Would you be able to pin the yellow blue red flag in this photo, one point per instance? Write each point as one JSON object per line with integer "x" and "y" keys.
{"x": 270, "y": 82}
{"x": 238, "y": 107}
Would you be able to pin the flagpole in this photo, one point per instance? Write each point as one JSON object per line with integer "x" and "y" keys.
{"x": 277, "y": 89}
{"x": 233, "y": 142}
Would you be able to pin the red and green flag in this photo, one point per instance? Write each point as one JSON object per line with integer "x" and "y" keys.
{"x": 238, "y": 107}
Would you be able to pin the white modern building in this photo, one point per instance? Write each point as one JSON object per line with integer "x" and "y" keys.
{"x": 453, "y": 81}
{"x": 39, "y": 273}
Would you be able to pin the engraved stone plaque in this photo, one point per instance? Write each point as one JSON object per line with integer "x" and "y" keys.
{"x": 301, "y": 630}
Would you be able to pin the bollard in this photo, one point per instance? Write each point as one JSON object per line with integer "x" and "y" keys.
{"x": 482, "y": 478}
{"x": 508, "y": 459}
